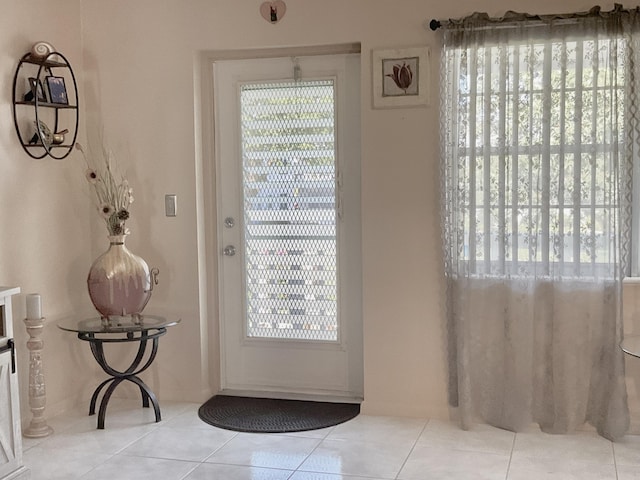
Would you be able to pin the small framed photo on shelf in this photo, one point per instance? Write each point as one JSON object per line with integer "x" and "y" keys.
{"x": 57, "y": 90}
{"x": 35, "y": 90}
{"x": 400, "y": 77}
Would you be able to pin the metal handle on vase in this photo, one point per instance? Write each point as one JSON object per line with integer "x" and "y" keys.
{"x": 153, "y": 277}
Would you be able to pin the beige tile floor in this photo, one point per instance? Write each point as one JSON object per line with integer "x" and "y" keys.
{"x": 182, "y": 447}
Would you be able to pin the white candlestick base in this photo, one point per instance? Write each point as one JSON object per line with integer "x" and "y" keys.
{"x": 37, "y": 394}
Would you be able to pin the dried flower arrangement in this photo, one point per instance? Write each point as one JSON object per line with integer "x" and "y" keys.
{"x": 113, "y": 194}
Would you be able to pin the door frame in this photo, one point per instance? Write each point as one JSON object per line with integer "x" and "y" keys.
{"x": 210, "y": 285}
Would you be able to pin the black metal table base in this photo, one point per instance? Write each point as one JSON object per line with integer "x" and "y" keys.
{"x": 130, "y": 374}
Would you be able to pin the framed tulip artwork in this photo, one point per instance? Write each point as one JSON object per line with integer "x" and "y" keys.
{"x": 400, "y": 77}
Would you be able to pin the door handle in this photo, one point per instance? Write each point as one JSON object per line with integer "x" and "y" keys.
{"x": 229, "y": 250}
{"x": 11, "y": 346}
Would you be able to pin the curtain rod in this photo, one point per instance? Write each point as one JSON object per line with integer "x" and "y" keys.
{"x": 517, "y": 17}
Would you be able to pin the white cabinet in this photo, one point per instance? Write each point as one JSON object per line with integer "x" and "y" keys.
{"x": 11, "y": 467}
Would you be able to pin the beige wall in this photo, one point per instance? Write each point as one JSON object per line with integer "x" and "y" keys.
{"x": 140, "y": 62}
{"x": 45, "y": 238}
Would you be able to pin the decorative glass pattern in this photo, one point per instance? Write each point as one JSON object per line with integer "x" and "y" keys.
{"x": 289, "y": 186}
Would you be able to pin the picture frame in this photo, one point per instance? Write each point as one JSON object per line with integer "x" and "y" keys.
{"x": 57, "y": 90}
{"x": 35, "y": 89}
{"x": 400, "y": 77}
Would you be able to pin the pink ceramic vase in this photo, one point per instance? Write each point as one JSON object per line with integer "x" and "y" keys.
{"x": 120, "y": 282}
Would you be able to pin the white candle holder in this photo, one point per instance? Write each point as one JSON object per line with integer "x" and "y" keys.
{"x": 37, "y": 393}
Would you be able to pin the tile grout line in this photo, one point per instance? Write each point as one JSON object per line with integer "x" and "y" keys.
{"x": 311, "y": 452}
{"x": 196, "y": 465}
{"x": 218, "y": 449}
{"x": 118, "y": 452}
{"x": 413, "y": 447}
{"x": 513, "y": 445}
{"x": 615, "y": 460}
{"x": 186, "y": 476}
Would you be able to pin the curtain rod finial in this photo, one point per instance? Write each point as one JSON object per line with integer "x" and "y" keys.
{"x": 434, "y": 24}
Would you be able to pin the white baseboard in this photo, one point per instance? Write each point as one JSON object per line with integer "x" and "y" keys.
{"x": 21, "y": 473}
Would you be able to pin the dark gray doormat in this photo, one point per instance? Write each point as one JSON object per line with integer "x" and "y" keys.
{"x": 267, "y": 415}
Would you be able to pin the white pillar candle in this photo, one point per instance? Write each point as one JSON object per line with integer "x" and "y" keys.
{"x": 34, "y": 306}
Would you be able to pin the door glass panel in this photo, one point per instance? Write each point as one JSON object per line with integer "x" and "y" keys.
{"x": 289, "y": 186}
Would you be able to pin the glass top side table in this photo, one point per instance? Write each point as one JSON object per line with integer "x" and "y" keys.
{"x": 97, "y": 331}
{"x": 631, "y": 345}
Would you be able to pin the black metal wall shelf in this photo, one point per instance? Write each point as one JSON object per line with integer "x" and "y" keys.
{"x": 34, "y": 113}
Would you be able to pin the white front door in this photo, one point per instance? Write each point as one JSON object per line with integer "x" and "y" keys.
{"x": 288, "y": 180}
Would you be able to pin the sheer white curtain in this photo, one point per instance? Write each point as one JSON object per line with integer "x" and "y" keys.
{"x": 538, "y": 124}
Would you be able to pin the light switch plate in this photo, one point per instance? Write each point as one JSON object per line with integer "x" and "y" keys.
{"x": 170, "y": 205}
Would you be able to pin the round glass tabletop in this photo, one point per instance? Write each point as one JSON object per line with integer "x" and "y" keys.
{"x": 116, "y": 324}
{"x": 631, "y": 345}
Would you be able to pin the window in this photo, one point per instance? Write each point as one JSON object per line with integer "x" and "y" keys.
{"x": 535, "y": 132}
{"x": 289, "y": 182}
